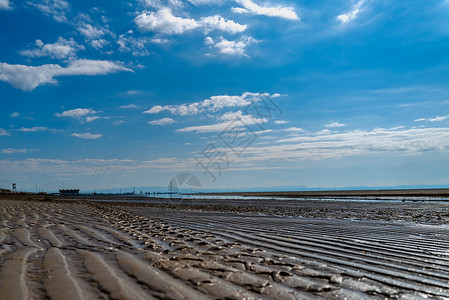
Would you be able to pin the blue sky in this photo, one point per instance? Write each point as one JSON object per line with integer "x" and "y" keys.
{"x": 101, "y": 94}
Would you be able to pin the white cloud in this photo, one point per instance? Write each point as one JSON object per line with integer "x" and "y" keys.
{"x": 249, "y": 7}
{"x": 57, "y": 168}
{"x": 13, "y": 151}
{"x": 280, "y": 122}
{"x": 87, "y": 136}
{"x": 227, "y": 122}
{"x": 175, "y": 3}
{"x": 151, "y": 3}
{"x": 27, "y": 78}
{"x": 5, "y": 4}
{"x": 3, "y": 132}
{"x": 61, "y": 49}
{"x": 136, "y": 46}
{"x": 183, "y": 110}
{"x": 157, "y": 109}
{"x": 128, "y": 106}
{"x": 14, "y": 115}
{"x": 323, "y": 132}
{"x": 83, "y": 114}
{"x": 330, "y": 144}
{"x": 295, "y": 129}
{"x": 163, "y": 21}
{"x": 161, "y": 4}
{"x": 231, "y": 116}
{"x": 118, "y": 122}
{"x": 439, "y": 119}
{"x": 77, "y": 113}
{"x": 352, "y": 14}
{"x": 162, "y": 122}
{"x": 236, "y": 47}
{"x": 206, "y": 2}
{"x": 99, "y": 44}
{"x": 209, "y": 41}
{"x": 212, "y": 104}
{"x": 216, "y": 103}
{"x": 435, "y": 119}
{"x": 334, "y": 125}
{"x": 206, "y": 128}
{"x": 132, "y": 92}
{"x": 260, "y": 132}
{"x": 159, "y": 41}
{"x": 33, "y": 129}
{"x": 54, "y": 8}
{"x": 320, "y": 145}
{"x": 92, "y": 118}
{"x": 92, "y": 67}
{"x": 219, "y": 23}
{"x": 90, "y": 31}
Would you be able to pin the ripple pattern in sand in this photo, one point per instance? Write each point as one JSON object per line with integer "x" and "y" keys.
{"x": 75, "y": 250}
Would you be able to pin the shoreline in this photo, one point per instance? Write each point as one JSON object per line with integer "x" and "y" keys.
{"x": 340, "y": 193}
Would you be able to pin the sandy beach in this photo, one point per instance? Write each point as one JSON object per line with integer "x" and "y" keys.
{"x": 209, "y": 249}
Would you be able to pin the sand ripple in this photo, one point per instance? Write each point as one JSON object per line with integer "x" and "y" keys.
{"x": 86, "y": 250}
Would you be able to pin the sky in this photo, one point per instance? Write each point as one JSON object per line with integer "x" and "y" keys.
{"x": 240, "y": 93}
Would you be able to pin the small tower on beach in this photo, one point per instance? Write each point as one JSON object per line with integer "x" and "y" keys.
{"x": 14, "y": 187}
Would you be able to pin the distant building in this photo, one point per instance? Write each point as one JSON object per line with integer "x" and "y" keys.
{"x": 70, "y": 193}
{"x": 5, "y": 191}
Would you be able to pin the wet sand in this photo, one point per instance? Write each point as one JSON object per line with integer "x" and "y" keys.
{"x": 431, "y": 193}
{"x": 207, "y": 249}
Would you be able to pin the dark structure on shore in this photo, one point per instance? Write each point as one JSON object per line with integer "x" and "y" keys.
{"x": 5, "y": 191}
{"x": 71, "y": 193}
